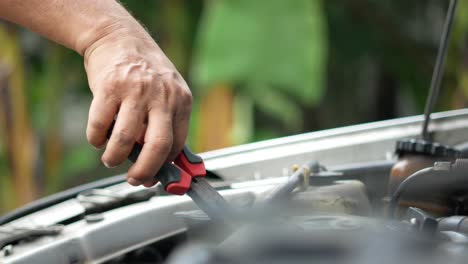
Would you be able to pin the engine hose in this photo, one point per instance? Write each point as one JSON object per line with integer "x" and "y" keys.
{"x": 403, "y": 187}
{"x": 445, "y": 176}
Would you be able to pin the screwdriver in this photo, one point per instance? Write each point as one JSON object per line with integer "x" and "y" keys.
{"x": 186, "y": 175}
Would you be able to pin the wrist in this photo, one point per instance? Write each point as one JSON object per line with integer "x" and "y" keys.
{"x": 109, "y": 31}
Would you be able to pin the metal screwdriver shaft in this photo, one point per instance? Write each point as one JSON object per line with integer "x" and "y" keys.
{"x": 438, "y": 69}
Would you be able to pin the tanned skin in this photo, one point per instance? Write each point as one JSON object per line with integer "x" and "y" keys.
{"x": 128, "y": 74}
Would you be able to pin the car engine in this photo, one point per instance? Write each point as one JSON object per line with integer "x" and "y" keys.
{"x": 409, "y": 212}
{"x": 363, "y": 194}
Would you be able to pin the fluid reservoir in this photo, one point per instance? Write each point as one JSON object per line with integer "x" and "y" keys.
{"x": 414, "y": 155}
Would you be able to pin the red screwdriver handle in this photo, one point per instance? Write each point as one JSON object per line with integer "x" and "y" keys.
{"x": 175, "y": 177}
{"x": 191, "y": 166}
{"x": 190, "y": 162}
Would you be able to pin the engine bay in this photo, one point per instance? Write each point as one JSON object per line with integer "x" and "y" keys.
{"x": 337, "y": 217}
{"x": 344, "y": 211}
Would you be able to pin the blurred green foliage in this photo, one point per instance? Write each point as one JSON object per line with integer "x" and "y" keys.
{"x": 293, "y": 66}
{"x": 267, "y": 49}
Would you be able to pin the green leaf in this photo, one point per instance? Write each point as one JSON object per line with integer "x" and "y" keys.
{"x": 274, "y": 43}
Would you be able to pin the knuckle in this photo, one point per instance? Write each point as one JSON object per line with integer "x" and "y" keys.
{"x": 141, "y": 86}
{"x": 124, "y": 138}
{"x": 111, "y": 83}
{"x": 175, "y": 75}
{"x": 165, "y": 86}
{"x": 163, "y": 92}
{"x": 187, "y": 96}
{"x": 182, "y": 116}
{"x": 170, "y": 75}
{"x": 97, "y": 125}
{"x": 161, "y": 144}
{"x": 110, "y": 89}
{"x": 147, "y": 80}
{"x": 134, "y": 106}
{"x": 179, "y": 85}
{"x": 184, "y": 112}
{"x": 139, "y": 90}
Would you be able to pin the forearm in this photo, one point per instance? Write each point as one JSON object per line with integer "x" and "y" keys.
{"x": 74, "y": 24}
{"x": 131, "y": 79}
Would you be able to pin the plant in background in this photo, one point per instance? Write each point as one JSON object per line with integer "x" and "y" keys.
{"x": 267, "y": 54}
{"x": 17, "y": 142}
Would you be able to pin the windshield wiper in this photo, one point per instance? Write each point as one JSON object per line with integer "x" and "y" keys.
{"x": 101, "y": 200}
{"x": 58, "y": 198}
{"x": 14, "y": 235}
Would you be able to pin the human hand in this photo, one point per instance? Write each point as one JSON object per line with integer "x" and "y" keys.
{"x": 131, "y": 77}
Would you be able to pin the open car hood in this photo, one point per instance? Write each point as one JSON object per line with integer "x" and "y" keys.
{"x": 361, "y": 156}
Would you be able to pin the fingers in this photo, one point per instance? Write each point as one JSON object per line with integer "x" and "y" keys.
{"x": 181, "y": 118}
{"x": 101, "y": 115}
{"x": 157, "y": 112}
{"x": 156, "y": 148}
{"x": 180, "y": 127}
{"x": 127, "y": 128}
{"x": 180, "y": 130}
